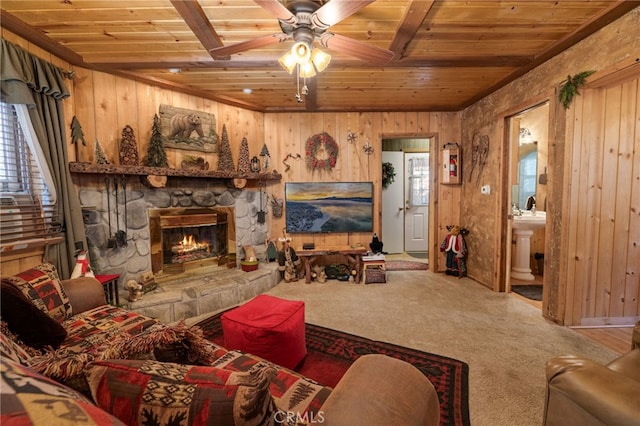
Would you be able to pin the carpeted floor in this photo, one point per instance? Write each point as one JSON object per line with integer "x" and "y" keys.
{"x": 405, "y": 265}
{"x": 505, "y": 340}
{"x": 331, "y": 352}
{"x": 530, "y": 291}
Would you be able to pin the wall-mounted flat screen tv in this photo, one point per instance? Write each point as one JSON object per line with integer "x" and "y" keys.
{"x": 324, "y": 207}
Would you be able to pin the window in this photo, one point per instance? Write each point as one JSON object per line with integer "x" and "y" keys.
{"x": 419, "y": 181}
{"x": 27, "y": 208}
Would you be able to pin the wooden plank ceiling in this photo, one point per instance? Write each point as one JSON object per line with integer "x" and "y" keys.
{"x": 446, "y": 54}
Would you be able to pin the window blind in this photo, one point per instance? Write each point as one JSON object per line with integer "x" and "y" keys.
{"x": 28, "y": 218}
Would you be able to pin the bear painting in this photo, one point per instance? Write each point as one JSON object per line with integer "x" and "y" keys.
{"x": 187, "y": 129}
{"x": 184, "y": 125}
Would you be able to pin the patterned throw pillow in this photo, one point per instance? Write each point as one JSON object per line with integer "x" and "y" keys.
{"x": 11, "y": 347}
{"x": 291, "y": 392}
{"x": 29, "y": 398}
{"x": 34, "y": 327}
{"x": 152, "y": 392}
{"x": 42, "y": 287}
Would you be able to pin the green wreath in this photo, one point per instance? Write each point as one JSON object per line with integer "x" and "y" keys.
{"x": 311, "y": 151}
{"x": 388, "y": 175}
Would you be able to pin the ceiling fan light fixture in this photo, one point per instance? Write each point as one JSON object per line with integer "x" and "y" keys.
{"x": 301, "y": 51}
{"x": 307, "y": 70}
{"x": 288, "y": 62}
{"x": 320, "y": 59}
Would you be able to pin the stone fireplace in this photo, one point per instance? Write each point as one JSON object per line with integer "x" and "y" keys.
{"x": 138, "y": 216}
{"x": 183, "y": 239}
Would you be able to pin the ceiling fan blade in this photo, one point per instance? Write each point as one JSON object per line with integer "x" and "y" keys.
{"x": 225, "y": 51}
{"x": 337, "y": 10}
{"x": 359, "y": 49}
{"x": 275, "y": 8}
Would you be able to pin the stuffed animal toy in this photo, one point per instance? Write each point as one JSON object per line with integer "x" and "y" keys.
{"x": 288, "y": 261}
{"x": 455, "y": 248}
{"x": 135, "y": 290}
{"x": 376, "y": 244}
{"x": 319, "y": 274}
{"x": 82, "y": 268}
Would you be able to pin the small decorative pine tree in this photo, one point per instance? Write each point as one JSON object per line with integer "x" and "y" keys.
{"x": 244, "y": 164}
{"x": 76, "y": 131}
{"x": 266, "y": 157}
{"x": 156, "y": 155}
{"x": 100, "y": 157}
{"x": 225, "y": 158}
{"x": 128, "y": 147}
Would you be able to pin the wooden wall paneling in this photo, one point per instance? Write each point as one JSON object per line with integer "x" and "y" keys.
{"x": 607, "y": 301}
{"x": 275, "y": 189}
{"x": 423, "y": 122}
{"x": 14, "y": 263}
{"x": 147, "y": 109}
{"x": 84, "y": 110}
{"x": 341, "y": 172}
{"x": 624, "y": 131}
{"x": 411, "y": 120}
{"x": 587, "y": 218}
{"x": 594, "y": 200}
{"x": 630, "y": 162}
{"x": 370, "y": 126}
{"x": 126, "y": 111}
{"x": 107, "y": 127}
{"x": 387, "y": 123}
{"x": 575, "y": 250}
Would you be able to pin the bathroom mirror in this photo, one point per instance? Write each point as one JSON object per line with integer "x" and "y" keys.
{"x": 529, "y": 173}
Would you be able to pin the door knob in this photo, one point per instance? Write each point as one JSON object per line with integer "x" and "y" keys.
{"x": 400, "y": 209}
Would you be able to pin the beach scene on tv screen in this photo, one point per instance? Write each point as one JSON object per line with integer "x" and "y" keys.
{"x": 329, "y": 207}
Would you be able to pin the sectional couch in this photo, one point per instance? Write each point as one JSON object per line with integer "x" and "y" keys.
{"x": 70, "y": 358}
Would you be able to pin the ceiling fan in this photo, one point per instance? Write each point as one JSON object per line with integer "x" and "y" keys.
{"x": 307, "y": 21}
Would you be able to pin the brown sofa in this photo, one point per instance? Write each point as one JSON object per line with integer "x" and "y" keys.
{"x": 105, "y": 345}
{"x": 582, "y": 392}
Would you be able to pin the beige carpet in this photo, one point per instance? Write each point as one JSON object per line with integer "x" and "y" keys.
{"x": 505, "y": 341}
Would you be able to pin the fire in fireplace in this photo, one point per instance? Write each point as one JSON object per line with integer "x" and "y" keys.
{"x": 187, "y": 238}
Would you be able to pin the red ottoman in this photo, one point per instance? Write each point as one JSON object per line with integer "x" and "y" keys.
{"x": 269, "y": 327}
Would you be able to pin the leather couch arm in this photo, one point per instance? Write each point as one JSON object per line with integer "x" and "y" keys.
{"x": 379, "y": 390}
{"x": 84, "y": 293}
{"x": 582, "y": 392}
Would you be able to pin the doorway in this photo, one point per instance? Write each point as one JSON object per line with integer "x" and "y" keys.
{"x": 528, "y": 158}
{"x": 405, "y": 199}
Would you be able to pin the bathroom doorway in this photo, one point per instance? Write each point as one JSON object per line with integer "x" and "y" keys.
{"x": 529, "y": 160}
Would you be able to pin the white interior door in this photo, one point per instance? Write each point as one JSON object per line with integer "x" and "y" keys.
{"x": 416, "y": 209}
{"x": 393, "y": 205}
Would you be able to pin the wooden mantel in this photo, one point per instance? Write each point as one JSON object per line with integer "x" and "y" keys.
{"x": 112, "y": 169}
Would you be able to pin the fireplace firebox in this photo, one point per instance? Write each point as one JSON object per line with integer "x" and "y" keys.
{"x": 187, "y": 238}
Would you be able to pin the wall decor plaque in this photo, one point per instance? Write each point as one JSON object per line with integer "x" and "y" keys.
{"x": 188, "y": 129}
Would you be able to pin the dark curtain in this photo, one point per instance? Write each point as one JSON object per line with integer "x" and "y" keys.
{"x": 27, "y": 79}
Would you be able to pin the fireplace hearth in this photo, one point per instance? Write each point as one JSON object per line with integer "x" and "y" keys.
{"x": 183, "y": 239}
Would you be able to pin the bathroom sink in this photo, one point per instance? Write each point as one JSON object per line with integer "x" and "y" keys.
{"x": 529, "y": 221}
{"x": 523, "y": 227}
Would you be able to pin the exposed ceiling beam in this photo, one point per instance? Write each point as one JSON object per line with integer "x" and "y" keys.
{"x": 409, "y": 26}
{"x": 469, "y": 61}
{"x": 311, "y": 99}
